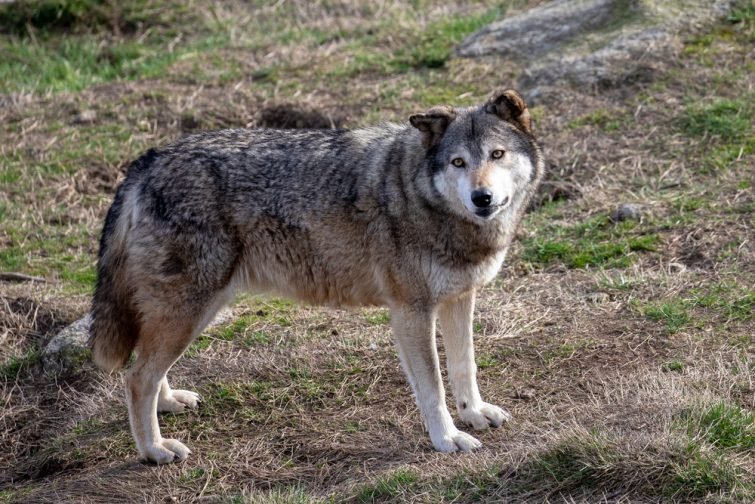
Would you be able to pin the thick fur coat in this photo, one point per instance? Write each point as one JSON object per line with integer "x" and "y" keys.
{"x": 413, "y": 216}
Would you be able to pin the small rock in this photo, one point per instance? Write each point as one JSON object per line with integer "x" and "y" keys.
{"x": 597, "y": 297}
{"x": 525, "y": 394}
{"x": 223, "y": 317}
{"x": 675, "y": 268}
{"x": 85, "y": 117}
{"x": 68, "y": 349}
{"x": 626, "y": 211}
{"x": 372, "y": 346}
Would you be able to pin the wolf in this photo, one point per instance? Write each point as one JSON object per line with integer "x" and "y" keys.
{"x": 415, "y": 216}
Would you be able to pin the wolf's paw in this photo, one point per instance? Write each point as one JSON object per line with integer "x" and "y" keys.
{"x": 483, "y": 416}
{"x": 166, "y": 451}
{"x": 455, "y": 440}
{"x": 178, "y": 401}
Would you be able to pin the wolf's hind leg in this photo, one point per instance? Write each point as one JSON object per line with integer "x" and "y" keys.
{"x": 456, "y": 324}
{"x": 175, "y": 401}
{"x": 160, "y": 344}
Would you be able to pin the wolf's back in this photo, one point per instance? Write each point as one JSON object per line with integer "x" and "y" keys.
{"x": 115, "y": 320}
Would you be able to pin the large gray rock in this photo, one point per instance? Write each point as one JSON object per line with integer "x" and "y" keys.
{"x": 590, "y": 42}
{"x": 544, "y": 29}
{"x": 68, "y": 349}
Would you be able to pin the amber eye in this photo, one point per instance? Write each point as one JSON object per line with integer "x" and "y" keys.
{"x": 457, "y": 162}
{"x": 496, "y": 154}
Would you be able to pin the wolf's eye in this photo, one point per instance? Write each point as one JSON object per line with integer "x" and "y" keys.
{"x": 496, "y": 154}
{"x": 457, "y": 162}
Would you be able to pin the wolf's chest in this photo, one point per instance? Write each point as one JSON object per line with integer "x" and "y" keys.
{"x": 447, "y": 281}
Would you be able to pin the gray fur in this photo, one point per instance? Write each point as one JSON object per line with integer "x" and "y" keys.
{"x": 337, "y": 217}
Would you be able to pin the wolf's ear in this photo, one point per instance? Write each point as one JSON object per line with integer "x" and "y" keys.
{"x": 433, "y": 123}
{"x": 509, "y": 106}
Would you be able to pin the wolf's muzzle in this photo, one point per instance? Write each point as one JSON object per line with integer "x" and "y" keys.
{"x": 488, "y": 210}
{"x": 482, "y": 197}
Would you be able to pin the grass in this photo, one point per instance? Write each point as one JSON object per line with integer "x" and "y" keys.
{"x": 726, "y": 302}
{"x": 606, "y": 120}
{"x": 723, "y": 118}
{"x": 731, "y": 301}
{"x": 582, "y": 464}
{"x": 596, "y": 242}
{"x": 700, "y": 473}
{"x": 251, "y": 329}
{"x": 725, "y": 426}
{"x": 28, "y": 18}
{"x": 673, "y": 313}
{"x": 378, "y": 317}
{"x": 309, "y": 404}
{"x": 675, "y": 366}
{"x": 41, "y": 57}
{"x": 15, "y": 365}
{"x": 390, "y": 487}
{"x": 727, "y": 124}
{"x": 421, "y": 48}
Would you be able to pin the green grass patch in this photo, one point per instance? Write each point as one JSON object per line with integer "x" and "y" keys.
{"x": 28, "y": 17}
{"x": 12, "y": 368}
{"x": 731, "y": 301}
{"x": 377, "y": 317}
{"x": 688, "y": 204}
{"x": 672, "y": 366}
{"x": 576, "y": 462}
{"x": 222, "y": 397}
{"x": 595, "y": 242}
{"x": 281, "y": 494}
{"x": 486, "y": 360}
{"x": 726, "y": 302}
{"x": 673, "y": 313}
{"x": 724, "y": 425}
{"x": 51, "y": 252}
{"x": 604, "y": 119}
{"x": 742, "y": 17}
{"x": 390, "y": 487}
{"x": 411, "y": 50}
{"x": 435, "y": 45}
{"x": 730, "y": 119}
{"x": 700, "y": 473}
{"x": 250, "y": 329}
{"x": 257, "y": 338}
{"x": 72, "y": 63}
{"x": 727, "y": 124}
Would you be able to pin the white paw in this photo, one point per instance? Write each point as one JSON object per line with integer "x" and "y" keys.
{"x": 484, "y": 415}
{"x": 166, "y": 451}
{"x": 455, "y": 440}
{"x": 178, "y": 401}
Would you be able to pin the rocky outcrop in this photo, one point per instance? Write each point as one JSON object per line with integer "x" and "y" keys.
{"x": 590, "y": 42}
{"x": 69, "y": 349}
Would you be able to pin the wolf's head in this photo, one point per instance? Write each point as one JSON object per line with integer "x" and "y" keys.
{"x": 483, "y": 159}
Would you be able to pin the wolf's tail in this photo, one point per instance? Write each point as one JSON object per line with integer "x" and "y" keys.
{"x": 115, "y": 324}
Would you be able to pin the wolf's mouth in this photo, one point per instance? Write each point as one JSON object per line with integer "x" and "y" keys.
{"x": 489, "y": 211}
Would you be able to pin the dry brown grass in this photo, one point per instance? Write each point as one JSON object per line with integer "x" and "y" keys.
{"x": 309, "y": 403}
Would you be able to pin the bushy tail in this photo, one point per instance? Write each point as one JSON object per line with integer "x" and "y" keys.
{"x": 115, "y": 324}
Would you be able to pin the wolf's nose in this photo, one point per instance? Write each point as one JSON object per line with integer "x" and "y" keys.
{"x": 482, "y": 197}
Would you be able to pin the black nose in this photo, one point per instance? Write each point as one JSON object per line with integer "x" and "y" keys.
{"x": 482, "y": 197}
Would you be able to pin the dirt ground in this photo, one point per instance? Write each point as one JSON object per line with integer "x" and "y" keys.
{"x": 624, "y": 351}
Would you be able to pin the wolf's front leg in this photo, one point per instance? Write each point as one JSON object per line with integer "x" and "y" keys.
{"x": 456, "y": 324}
{"x": 414, "y": 331}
